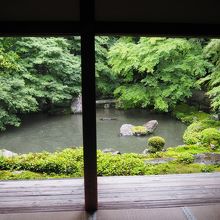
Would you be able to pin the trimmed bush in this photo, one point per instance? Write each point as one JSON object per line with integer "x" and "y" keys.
{"x": 192, "y": 134}
{"x": 210, "y": 136}
{"x": 155, "y": 144}
{"x": 139, "y": 130}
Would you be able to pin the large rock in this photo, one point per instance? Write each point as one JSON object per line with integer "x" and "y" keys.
{"x": 76, "y": 106}
{"x": 126, "y": 130}
{"x": 207, "y": 158}
{"x": 151, "y": 126}
{"x": 7, "y": 153}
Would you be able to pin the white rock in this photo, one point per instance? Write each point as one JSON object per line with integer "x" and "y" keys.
{"x": 76, "y": 106}
{"x": 7, "y": 153}
{"x": 126, "y": 130}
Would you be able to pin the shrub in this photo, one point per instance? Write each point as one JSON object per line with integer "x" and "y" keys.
{"x": 192, "y": 134}
{"x": 210, "y": 136}
{"x": 185, "y": 158}
{"x": 117, "y": 165}
{"x": 68, "y": 161}
{"x": 156, "y": 143}
{"x": 139, "y": 130}
{"x": 207, "y": 169}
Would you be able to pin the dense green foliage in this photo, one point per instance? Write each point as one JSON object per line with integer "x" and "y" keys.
{"x": 210, "y": 137}
{"x": 212, "y": 80}
{"x": 202, "y": 129}
{"x": 43, "y": 73}
{"x": 15, "y": 96}
{"x": 69, "y": 163}
{"x": 35, "y": 73}
{"x": 156, "y": 72}
{"x": 55, "y": 72}
{"x": 105, "y": 81}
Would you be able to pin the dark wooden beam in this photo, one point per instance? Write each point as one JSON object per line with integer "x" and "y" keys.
{"x": 39, "y": 28}
{"x": 157, "y": 29}
{"x": 89, "y": 106}
{"x": 62, "y": 28}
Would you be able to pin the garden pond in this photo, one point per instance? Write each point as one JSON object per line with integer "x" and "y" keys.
{"x": 39, "y": 132}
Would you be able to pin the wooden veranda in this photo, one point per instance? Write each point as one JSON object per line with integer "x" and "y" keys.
{"x": 119, "y": 192}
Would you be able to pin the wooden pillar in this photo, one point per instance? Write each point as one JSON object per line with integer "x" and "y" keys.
{"x": 88, "y": 102}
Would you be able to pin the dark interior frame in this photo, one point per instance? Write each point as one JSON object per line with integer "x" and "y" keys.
{"x": 87, "y": 28}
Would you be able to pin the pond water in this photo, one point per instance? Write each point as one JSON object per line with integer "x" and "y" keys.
{"x": 40, "y": 132}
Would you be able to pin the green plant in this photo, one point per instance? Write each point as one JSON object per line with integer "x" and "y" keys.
{"x": 139, "y": 130}
{"x": 69, "y": 163}
{"x": 192, "y": 134}
{"x": 116, "y": 165}
{"x": 156, "y": 72}
{"x": 210, "y": 136}
{"x": 207, "y": 169}
{"x": 212, "y": 80}
{"x": 36, "y": 73}
{"x": 156, "y": 143}
{"x": 185, "y": 158}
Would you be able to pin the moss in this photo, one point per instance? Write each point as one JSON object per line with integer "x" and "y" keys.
{"x": 26, "y": 175}
{"x": 139, "y": 130}
{"x": 9, "y": 175}
{"x": 175, "y": 168}
{"x": 69, "y": 163}
{"x": 192, "y": 149}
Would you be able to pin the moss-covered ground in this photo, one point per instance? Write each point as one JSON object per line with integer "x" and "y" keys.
{"x": 69, "y": 163}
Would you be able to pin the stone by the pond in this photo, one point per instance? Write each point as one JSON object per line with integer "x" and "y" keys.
{"x": 151, "y": 126}
{"x": 159, "y": 160}
{"x": 107, "y": 105}
{"x": 76, "y": 106}
{"x": 146, "y": 151}
{"x": 126, "y": 130}
{"x": 207, "y": 158}
{"x": 17, "y": 172}
{"x": 111, "y": 150}
{"x": 7, "y": 153}
{"x": 108, "y": 119}
{"x": 215, "y": 117}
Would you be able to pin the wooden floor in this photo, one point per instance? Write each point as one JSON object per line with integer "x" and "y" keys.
{"x": 137, "y": 192}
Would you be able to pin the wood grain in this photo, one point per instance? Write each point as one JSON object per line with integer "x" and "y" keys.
{"x": 137, "y": 192}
